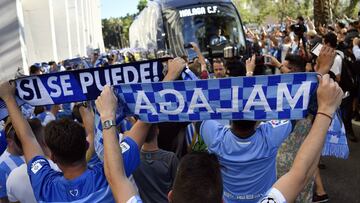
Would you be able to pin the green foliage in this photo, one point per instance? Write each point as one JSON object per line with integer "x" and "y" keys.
{"x": 257, "y": 11}
{"x": 142, "y": 4}
{"x": 116, "y": 30}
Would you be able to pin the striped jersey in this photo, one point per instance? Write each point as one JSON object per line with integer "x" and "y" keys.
{"x": 7, "y": 163}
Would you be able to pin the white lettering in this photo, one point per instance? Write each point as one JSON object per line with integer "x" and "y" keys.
{"x": 198, "y": 94}
{"x": 192, "y": 12}
{"x": 180, "y": 99}
{"x": 263, "y": 102}
{"x": 86, "y": 79}
{"x": 145, "y": 73}
{"x": 234, "y": 102}
{"x": 127, "y": 70}
{"x": 304, "y": 91}
{"x": 65, "y": 84}
{"x": 97, "y": 79}
{"x": 54, "y": 86}
{"x": 141, "y": 97}
{"x": 116, "y": 78}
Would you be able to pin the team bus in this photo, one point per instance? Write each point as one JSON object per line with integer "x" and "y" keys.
{"x": 168, "y": 25}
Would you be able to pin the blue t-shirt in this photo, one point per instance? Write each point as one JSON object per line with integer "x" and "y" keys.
{"x": 3, "y": 143}
{"x": 51, "y": 186}
{"x": 7, "y": 163}
{"x": 248, "y": 165}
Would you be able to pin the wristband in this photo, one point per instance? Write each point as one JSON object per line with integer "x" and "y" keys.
{"x": 327, "y": 115}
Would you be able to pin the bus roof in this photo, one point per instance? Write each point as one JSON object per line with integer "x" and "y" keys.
{"x": 183, "y": 3}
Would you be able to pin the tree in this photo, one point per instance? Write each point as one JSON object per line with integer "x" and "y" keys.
{"x": 350, "y": 10}
{"x": 142, "y": 4}
{"x": 322, "y": 12}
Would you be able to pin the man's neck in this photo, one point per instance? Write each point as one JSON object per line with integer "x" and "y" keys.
{"x": 243, "y": 134}
{"x": 73, "y": 171}
{"x": 151, "y": 146}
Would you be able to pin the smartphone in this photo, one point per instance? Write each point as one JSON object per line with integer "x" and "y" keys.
{"x": 188, "y": 46}
{"x": 316, "y": 49}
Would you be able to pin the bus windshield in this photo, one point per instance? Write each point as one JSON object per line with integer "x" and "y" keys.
{"x": 211, "y": 26}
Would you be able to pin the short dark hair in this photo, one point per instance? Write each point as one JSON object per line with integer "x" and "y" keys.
{"x": 218, "y": 60}
{"x": 51, "y": 63}
{"x": 300, "y": 18}
{"x": 200, "y": 172}
{"x": 152, "y": 133}
{"x": 296, "y": 62}
{"x": 331, "y": 38}
{"x": 10, "y": 133}
{"x": 66, "y": 140}
{"x": 35, "y": 125}
{"x": 33, "y": 69}
{"x": 38, "y": 130}
{"x": 341, "y": 25}
{"x": 243, "y": 124}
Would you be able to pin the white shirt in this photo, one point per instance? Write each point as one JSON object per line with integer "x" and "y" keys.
{"x": 18, "y": 185}
{"x": 273, "y": 196}
{"x": 337, "y": 65}
{"x": 356, "y": 51}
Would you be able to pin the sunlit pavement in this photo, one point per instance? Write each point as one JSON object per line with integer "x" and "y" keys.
{"x": 342, "y": 177}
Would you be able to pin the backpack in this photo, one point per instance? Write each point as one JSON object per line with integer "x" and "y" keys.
{"x": 348, "y": 78}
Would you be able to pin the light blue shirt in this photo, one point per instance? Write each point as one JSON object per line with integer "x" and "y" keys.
{"x": 7, "y": 163}
{"x": 247, "y": 165}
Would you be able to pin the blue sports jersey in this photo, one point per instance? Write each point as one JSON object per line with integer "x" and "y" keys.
{"x": 248, "y": 165}
{"x": 27, "y": 110}
{"x": 3, "y": 143}
{"x": 7, "y": 163}
{"x": 51, "y": 186}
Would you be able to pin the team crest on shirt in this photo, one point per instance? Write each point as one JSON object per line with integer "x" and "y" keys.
{"x": 74, "y": 192}
{"x": 124, "y": 147}
{"x": 268, "y": 200}
{"x": 277, "y": 123}
{"x": 36, "y": 166}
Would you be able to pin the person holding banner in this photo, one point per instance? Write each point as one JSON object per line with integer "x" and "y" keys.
{"x": 247, "y": 147}
{"x": 66, "y": 140}
{"x": 106, "y": 105}
{"x": 187, "y": 180}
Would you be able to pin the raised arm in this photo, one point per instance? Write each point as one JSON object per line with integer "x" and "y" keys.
{"x": 200, "y": 55}
{"x": 329, "y": 96}
{"x": 87, "y": 116}
{"x": 26, "y": 136}
{"x": 121, "y": 187}
{"x": 140, "y": 129}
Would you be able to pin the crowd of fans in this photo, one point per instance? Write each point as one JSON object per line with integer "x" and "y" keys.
{"x": 48, "y": 152}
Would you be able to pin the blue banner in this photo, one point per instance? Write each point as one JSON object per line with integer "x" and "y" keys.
{"x": 81, "y": 85}
{"x": 267, "y": 97}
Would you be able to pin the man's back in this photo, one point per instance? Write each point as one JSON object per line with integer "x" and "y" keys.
{"x": 248, "y": 165}
{"x": 91, "y": 186}
{"x": 155, "y": 175}
{"x": 51, "y": 186}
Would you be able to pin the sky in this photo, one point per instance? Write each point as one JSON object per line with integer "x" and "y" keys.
{"x": 118, "y": 8}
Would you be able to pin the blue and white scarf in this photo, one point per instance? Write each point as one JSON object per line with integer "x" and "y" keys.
{"x": 136, "y": 84}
